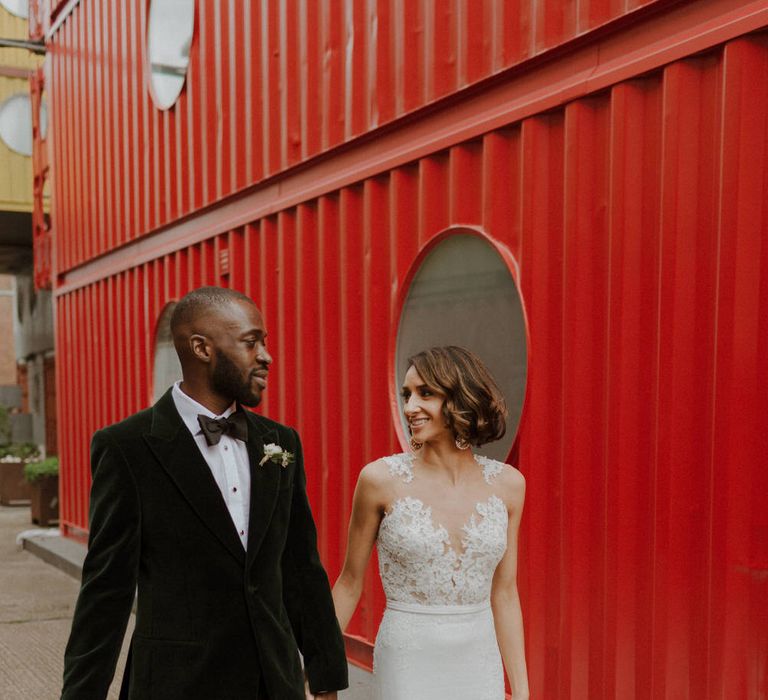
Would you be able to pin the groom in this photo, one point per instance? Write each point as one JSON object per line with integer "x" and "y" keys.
{"x": 203, "y": 506}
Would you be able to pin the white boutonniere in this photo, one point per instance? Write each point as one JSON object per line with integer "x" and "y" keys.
{"x": 275, "y": 453}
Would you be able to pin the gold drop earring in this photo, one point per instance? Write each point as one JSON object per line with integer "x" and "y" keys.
{"x": 461, "y": 443}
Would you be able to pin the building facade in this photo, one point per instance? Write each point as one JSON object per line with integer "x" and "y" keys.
{"x": 27, "y": 373}
{"x": 576, "y": 190}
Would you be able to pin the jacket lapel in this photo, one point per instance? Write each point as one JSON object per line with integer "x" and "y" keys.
{"x": 265, "y": 480}
{"x": 178, "y": 454}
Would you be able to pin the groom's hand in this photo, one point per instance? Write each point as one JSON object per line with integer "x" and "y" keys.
{"x": 330, "y": 695}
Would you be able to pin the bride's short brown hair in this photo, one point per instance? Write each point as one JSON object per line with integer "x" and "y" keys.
{"x": 474, "y": 407}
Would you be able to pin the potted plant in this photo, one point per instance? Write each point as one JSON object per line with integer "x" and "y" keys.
{"x": 43, "y": 479}
{"x": 14, "y": 489}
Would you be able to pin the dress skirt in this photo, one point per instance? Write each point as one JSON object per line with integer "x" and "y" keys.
{"x": 437, "y": 652}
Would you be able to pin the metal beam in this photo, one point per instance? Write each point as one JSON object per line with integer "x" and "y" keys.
{"x": 37, "y": 47}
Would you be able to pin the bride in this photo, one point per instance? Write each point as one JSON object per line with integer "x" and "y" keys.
{"x": 445, "y": 522}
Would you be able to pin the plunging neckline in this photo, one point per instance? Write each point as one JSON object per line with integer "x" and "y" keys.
{"x": 469, "y": 524}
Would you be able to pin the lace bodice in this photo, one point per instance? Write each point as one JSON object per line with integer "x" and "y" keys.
{"x": 418, "y": 563}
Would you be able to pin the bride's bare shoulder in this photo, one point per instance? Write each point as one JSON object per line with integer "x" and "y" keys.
{"x": 376, "y": 483}
{"x": 512, "y": 484}
{"x": 374, "y": 472}
{"x": 383, "y": 473}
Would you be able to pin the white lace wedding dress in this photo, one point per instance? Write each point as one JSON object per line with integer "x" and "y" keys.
{"x": 437, "y": 639}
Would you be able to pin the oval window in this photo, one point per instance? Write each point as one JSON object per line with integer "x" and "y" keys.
{"x": 20, "y": 8}
{"x": 16, "y": 123}
{"x": 463, "y": 293}
{"x": 169, "y": 37}
{"x": 167, "y": 368}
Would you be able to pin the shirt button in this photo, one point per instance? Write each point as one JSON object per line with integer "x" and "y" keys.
{"x": 226, "y": 447}
{"x": 242, "y": 532}
{"x": 234, "y": 489}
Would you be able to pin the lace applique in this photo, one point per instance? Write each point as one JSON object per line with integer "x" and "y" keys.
{"x": 491, "y": 467}
{"x": 418, "y": 564}
{"x": 401, "y": 465}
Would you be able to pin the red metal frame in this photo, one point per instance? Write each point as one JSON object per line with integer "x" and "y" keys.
{"x": 402, "y": 295}
{"x": 41, "y": 227}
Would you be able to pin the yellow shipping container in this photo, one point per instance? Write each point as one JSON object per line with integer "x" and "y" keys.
{"x": 15, "y": 65}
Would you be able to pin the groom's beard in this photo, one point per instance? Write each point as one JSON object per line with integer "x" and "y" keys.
{"x": 227, "y": 380}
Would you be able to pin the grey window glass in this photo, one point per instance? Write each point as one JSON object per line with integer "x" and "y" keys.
{"x": 464, "y": 294}
{"x": 167, "y": 369}
{"x": 169, "y": 37}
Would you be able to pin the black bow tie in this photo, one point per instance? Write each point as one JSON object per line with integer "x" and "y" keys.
{"x": 235, "y": 426}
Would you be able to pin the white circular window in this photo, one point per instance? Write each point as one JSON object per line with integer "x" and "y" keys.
{"x": 464, "y": 294}
{"x": 20, "y": 8}
{"x": 169, "y": 37}
{"x": 167, "y": 368}
{"x": 16, "y": 123}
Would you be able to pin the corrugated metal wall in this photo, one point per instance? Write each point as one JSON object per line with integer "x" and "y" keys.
{"x": 297, "y": 78}
{"x": 637, "y": 215}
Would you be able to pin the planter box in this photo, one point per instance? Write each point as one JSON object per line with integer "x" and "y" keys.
{"x": 14, "y": 488}
{"x": 45, "y": 501}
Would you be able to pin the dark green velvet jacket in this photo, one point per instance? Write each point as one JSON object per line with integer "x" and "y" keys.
{"x": 213, "y": 621}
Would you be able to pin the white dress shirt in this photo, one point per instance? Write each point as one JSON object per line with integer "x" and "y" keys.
{"x": 227, "y": 460}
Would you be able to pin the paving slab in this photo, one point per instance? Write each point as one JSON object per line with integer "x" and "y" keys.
{"x": 36, "y": 605}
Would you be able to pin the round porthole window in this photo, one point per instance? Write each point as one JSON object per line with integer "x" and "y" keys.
{"x": 463, "y": 293}
{"x": 167, "y": 368}
{"x": 20, "y": 8}
{"x": 169, "y": 37}
{"x": 16, "y": 123}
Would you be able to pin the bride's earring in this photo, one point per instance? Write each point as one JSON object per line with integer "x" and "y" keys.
{"x": 461, "y": 443}
{"x": 415, "y": 444}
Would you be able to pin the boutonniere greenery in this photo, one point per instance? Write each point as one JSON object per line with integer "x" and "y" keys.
{"x": 275, "y": 453}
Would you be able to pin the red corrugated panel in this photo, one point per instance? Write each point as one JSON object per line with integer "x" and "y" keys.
{"x": 541, "y": 267}
{"x": 634, "y": 272}
{"x": 737, "y": 505}
{"x": 637, "y": 217}
{"x": 584, "y": 354}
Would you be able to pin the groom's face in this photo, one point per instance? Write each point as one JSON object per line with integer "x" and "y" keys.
{"x": 239, "y": 370}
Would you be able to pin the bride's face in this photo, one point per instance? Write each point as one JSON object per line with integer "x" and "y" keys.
{"x": 423, "y": 408}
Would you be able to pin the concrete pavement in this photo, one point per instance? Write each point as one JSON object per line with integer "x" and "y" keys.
{"x": 36, "y": 605}
{"x": 37, "y": 600}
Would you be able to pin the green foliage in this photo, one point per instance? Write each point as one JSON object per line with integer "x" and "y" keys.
{"x": 38, "y": 470}
{"x": 20, "y": 450}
